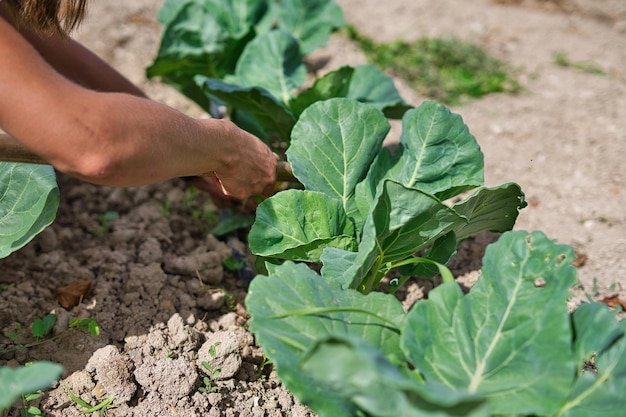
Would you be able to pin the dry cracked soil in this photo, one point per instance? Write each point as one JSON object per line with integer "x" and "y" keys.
{"x": 163, "y": 299}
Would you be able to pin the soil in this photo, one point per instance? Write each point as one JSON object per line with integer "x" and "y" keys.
{"x": 160, "y": 292}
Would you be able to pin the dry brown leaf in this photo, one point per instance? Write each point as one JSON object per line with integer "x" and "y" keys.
{"x": 580, "y": 261}
{"x": 613, "y": 301}
{"x": 70, "y": 296}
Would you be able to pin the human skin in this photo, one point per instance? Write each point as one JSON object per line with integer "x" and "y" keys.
{"x": 88, "y": 121}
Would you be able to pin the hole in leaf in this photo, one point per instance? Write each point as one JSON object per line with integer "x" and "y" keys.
{"x": 560, "y": 259}
{"x": 590, "y": 365}
{"x": 539, "y": 282}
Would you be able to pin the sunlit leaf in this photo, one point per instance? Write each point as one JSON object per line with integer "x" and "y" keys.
{"x": 29, "y": 198}
{"x": 281, "y": 231}
{"x": 24, "y": 380}
{"x": 295, "y": 307}
{"x": 510, "y": 338}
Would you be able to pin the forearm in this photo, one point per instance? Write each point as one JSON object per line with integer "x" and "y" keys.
{"x": 122, "y": 140}
{"x": 151, "y": 143}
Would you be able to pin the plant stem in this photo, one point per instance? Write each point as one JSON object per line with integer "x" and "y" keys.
{"x": 33, "y": 344}
{"x": 445, "y": 273}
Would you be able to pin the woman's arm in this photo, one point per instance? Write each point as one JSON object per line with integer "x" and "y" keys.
{"x": 75, "y": 62}
{"x": 117, "y": 138}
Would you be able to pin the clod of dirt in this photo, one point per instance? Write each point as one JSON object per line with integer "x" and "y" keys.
{"x": 150, "y": 251}
{"x": 206, "y": 265}
{"x": 172, "y": 379}
{"x": 181, "y": 336}
{"x": 114, "y": 372}
{"x": 220, "y": 352}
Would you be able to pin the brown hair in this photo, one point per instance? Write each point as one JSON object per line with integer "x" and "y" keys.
{"x": 48, "y": 16}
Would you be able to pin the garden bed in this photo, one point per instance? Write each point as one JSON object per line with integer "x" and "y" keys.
{"x": 161, "y": 293}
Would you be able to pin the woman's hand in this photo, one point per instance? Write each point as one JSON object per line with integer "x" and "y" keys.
{"x": 251, "y": 169}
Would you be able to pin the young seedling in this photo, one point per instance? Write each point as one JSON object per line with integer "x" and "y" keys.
{"x": 166, "y": 208}
{"x": 30, "y": 410}
{"x": 39, "y": 329}
{"x": 209, "y": 383}
{"x": 229, "y": 300}
{"x": 231, "y": 264}
{"x": 263, "y": 366}
{"x": 17, "y": 334}
{"x": 42, "y": 327}
{"x": 87, "y": 324}
{"x": 594, "y": 289}
{"x": 193, "y": 202}
{"x": 24, "y": 383}
{"x": 101, "y": 408}
{"x": 561, "y": 59}
{"x": 106, "y": 220}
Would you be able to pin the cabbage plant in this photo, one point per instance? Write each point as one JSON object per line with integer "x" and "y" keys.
{"x": 207, "y": 37}
{"x": 365, "y": 210}
{"x": 29, "y": 198}
{"x": 246, "y": 60}
{"x": 507, "y": 348}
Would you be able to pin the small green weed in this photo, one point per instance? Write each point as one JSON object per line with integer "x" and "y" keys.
{"x": 594, "y": 289}
{"x": 106, "y": 220}
{"x": 38, "y": 330}
{"x": 209, "y": 383}
{"x": 23, "y": 383}
{"x": 193, "y": 202}
{"x": 166, "y": 208}
{"x": 88, "y": 324}
{"x": 41, "y": 328}
{"x": 29, "y": 410}
{"x": 561, "y": 59}
{"x": 229, "y": 300}
{"x": 231, "y": 264}
{"x": 262, "y": 366}
{"x": 17, "y": 333}
{"x": 101, "y": 408}
{"x": 447, "y": 70}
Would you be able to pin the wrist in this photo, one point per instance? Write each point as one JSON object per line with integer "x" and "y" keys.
{"x": 231, "y": 144}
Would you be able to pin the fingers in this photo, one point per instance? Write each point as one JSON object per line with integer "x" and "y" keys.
{"x": 255, "y": 176}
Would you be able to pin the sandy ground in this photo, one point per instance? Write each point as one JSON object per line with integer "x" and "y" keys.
{"x": 562, "y": 139}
